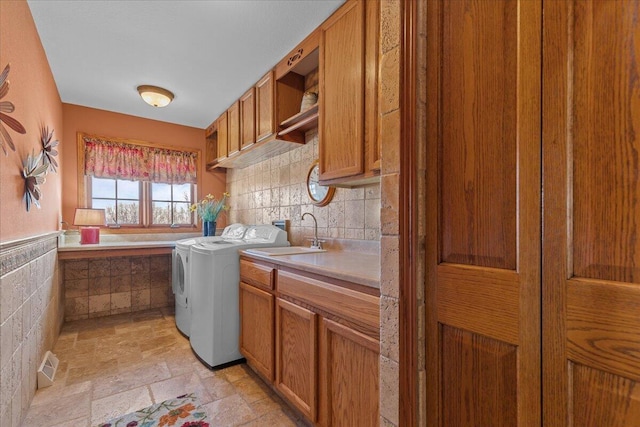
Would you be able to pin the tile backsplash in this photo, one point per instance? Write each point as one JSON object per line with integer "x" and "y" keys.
{"x": 276, "y": 189}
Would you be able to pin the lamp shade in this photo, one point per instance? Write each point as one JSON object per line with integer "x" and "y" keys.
{"x": 89, "y": 217}
{"x": 155, "y": 96}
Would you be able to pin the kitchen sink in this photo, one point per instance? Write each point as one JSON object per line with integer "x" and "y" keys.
{"x": 290, "y": 250}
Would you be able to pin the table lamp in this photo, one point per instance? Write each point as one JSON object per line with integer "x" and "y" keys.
{"x": 89, "y": 221}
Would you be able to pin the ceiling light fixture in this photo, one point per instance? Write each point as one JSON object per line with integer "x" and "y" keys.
{"x": 155, "y": 96}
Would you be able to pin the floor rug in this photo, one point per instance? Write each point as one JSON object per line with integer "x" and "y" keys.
{"x": 183, "y": 411}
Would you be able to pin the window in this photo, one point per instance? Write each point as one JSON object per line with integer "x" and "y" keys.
{"x": 136, "y": 182}
{"x": 127, "y": 202}
{"x": 170, "y": 204}
{"x": 119, "y": 198}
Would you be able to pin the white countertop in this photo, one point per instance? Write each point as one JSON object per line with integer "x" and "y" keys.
{"x": 71, "y": 242}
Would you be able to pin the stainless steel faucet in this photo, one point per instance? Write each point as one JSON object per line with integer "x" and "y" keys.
{"x": 315, "y": 243}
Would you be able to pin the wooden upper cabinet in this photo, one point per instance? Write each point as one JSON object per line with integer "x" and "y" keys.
{"x": 248, "y": 119}
{"x": 211, "y": 141}
{"x": 348, "y": 148}
{"x": 342, "y": 46}
{"x": 223, "y": 136}
{"x": 233, "y": 132}
{"x": 265, "y": 107}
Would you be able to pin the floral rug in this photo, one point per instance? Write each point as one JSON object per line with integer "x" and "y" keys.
{"x": 183, "y": 411}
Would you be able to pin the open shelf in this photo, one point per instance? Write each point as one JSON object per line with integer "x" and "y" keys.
{"x": 303, "y": 121}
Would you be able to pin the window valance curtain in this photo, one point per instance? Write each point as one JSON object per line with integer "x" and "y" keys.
{"x": 114, "y": 159}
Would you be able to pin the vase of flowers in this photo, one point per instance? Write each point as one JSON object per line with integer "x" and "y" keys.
{"x": 208, "y": 209}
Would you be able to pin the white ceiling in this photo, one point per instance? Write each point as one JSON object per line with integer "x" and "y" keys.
{"x": 208, "y": 53}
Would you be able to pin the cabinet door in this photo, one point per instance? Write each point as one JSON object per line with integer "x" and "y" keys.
{"x": 296, "y": 356}
{"x": 222, "y": 136}
{"x": 483, "y": 217}
{"x": 341, "y": 101}
{"x": 248, "y": 119}
{"x": 591, "y": 258}
{"x": 233, "y": 131}
{"x": 265, "y": 107}
{"x": 348, "y": 377}
{"x": 257, "y": 315}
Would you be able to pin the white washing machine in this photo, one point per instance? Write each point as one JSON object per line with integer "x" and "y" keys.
{"x": 180, "y": 271}
{"x": 215, "y": 277}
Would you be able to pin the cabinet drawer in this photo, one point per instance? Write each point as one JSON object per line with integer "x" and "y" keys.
{"x": 345, "y": 303}
{"x": 257, "y": 274}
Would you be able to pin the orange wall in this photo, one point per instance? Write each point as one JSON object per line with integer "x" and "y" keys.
{"x": 106, "y": 123}
{"x": 37, "y": 103}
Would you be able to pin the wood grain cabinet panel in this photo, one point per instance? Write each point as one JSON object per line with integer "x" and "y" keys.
{"x": 256, "y": 274}
{"x": 223, "y": 136}
{"x": 257, "y": 328}
{"x": 265, "y": 107}
{"x": 248, "y": 119}
{"x": 349, "y": 389}
{"x": 233, "y": 132}
{"x": 296, "y": 350}
{"x": 348, "y": 147}
{"x": 326, "y": 342}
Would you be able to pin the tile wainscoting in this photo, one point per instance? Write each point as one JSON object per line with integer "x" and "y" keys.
{"x": 100, "y": 287}
{"x": 31, "y": 316}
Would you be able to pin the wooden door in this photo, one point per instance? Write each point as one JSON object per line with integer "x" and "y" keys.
{"x": 233, "y": 120}
{"x": 296, "y": 346}
{"x": 341, "y": 101}
{"x": 222, "y": 136}
{"x": 248, "y": 119}
{"x": 483, "y": 213}
{"x": 257, "y": 334}
{"x": 349, "y": 392}
{"x": 265, "y": 107}
{"x": 591, "y": 258}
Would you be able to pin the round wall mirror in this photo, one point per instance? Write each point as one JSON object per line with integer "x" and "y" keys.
{"x": 320, "y": 195}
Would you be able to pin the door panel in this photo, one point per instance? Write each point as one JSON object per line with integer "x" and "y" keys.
{"x": 591, "y": 116}
{"x": 602, "y": 399}
{"x": 478, "y": 131}
{"x": 483, "y": 215}
{"x": 492, "y": 365}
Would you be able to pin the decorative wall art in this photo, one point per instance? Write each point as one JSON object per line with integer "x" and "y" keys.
{"x": 48, "y": 148}
{"x": 34, "y": 173}
{"x": 7, "y": 107}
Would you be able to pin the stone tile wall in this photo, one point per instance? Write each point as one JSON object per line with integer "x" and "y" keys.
{"x": 104, "y": 286}
{"x": 31, "y": 315}
{"x": 389, "y": 136}
{"x": 277, "y": 189}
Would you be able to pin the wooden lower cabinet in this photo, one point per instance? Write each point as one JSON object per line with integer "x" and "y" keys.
{"x": 348, "y": 378}
{"x": 316, "y": 342}
{"x": 296, "y": 367}
{"x": 257, "y": 328}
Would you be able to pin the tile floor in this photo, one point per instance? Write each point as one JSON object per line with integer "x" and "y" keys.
{"x": 114, "y": 365}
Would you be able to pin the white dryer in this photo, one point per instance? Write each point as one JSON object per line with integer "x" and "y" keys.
{"x": 180, "y": 272}
{"x": 215, "y": 277}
